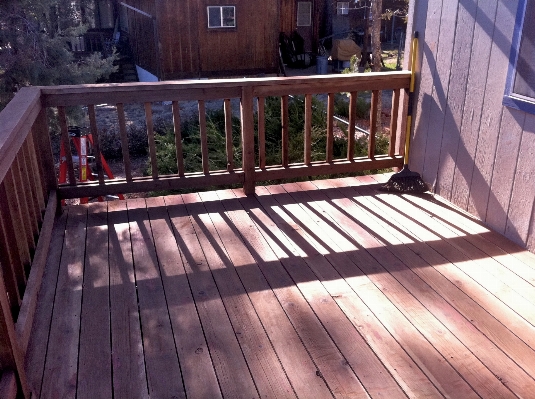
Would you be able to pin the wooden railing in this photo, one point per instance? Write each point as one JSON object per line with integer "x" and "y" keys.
{"x": 251, "y": 94}
{"x": 27, "y": 190}
{"x": 28, "y": 172}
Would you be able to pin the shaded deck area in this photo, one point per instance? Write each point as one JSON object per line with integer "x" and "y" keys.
{"x": 311, "y": 290}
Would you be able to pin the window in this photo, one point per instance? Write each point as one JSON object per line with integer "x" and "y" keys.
{"x": 520, "y": 86}
{"x": 221, "y": 17}
{"x": 342, "y": 7}
{"x": 304, "y": 13}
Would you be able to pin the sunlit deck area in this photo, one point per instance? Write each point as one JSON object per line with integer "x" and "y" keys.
{"x": 317, "y": 289}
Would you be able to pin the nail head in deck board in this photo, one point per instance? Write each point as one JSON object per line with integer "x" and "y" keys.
{"x": 129, "y": 377}
{"x": 332, "y": 365}
{"x": 61, "y": 366}
{"x": 158, "y": 344}
{"x": 230, "y": 367}
{"x": 197, "y": 370}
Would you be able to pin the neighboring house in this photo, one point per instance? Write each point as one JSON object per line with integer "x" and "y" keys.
{"x": 205, "y": 38}
{"x": 474, "y": 134}
{"x": 355, "y": 16}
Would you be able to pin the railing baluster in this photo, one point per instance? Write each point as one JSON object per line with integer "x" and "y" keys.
{"x": 29, "y": 190}
{"x": 261, "y": 132}
{"x": 19, "y": 189}
{"x": 308, "y": 129}
{"x": 96, "y": 142}
{"x": 394, "y": 122}
{"x": 43, "y": 150}
{"x": 351, "y": 127}
{"x": 35, "y": 174}
{"x": 124, "y": 142}
{"x": 66, "y": 141}
{"x": 228, "y": 135}
{"x": 11, "y": 357}
{"x": 330, "y": 127}
{"x": 9, "y": 200}
{"x": 373, "y": 124}
{"x": 10, "y": 259}
{"x": 247, "y": 135}
{"x": 178, "y": 139}
{"x": 285, "y": 119}
{"x": 204, "y": 137}
{"x": 152, "y": 143}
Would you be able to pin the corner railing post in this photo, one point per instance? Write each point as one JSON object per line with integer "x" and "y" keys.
{"x": 247, "y": 134}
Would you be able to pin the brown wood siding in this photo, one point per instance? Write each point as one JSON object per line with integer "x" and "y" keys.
{"x": 142, "y": 34}
{"x": 288, "y": 20}
{"x": 179, "y": 38}
{"x": 252, "y": 45}
{"x": 473, "y": 151}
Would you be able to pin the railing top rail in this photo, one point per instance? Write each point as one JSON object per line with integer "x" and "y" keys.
{"x": 185, "y": 90}
{"x": 16, "y": 121}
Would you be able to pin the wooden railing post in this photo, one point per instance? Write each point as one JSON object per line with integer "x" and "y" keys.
{"x": 247, "y": 136}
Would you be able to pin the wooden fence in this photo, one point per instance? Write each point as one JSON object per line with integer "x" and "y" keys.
{"x": 30, "y": 194}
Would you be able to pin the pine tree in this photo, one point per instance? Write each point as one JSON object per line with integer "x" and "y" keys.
{"x": 35, "y": 43}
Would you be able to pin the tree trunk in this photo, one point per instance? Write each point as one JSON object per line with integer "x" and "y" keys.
{"x": 377, "y": 9}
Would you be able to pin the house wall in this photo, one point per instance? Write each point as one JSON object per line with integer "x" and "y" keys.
{"x": 474, "y": 151}
{"x": 187, "y": 48}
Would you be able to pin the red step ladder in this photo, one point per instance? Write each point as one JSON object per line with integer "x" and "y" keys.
{"x": 80, "y": 142}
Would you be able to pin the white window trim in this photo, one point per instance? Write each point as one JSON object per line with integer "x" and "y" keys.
{"x": 221, "y": 26}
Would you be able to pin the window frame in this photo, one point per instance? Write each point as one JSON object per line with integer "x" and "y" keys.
{"x": 309, "y": 17}
{"x": 221, "y": 26}
{"x": 342, "y": 8}
{"x": 510, "y": 98}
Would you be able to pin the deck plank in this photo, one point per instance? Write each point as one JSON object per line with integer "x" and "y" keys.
{"x": 373, "y": 262}
{"x": 429, "y": 250}
{"x": 449, "y": 339}
{"x": 310, "y": 289}
{"x": 61, "y": 367}
{"x": 158, "y": 343}
{"x": 198, "y": 373}
{"x": 94, "y": 361}
{"x": 269, "y": 375}
{"x": 289, "y": 348}
{"x": 37, "y": 346}
{"x": 371, "y": 372}
{"x": 332, "y": 365}
{"x": 128, "y": 362}
{"x": 234, "y": 377}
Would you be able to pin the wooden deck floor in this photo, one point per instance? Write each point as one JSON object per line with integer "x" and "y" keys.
{"x": 309, "y": 290}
